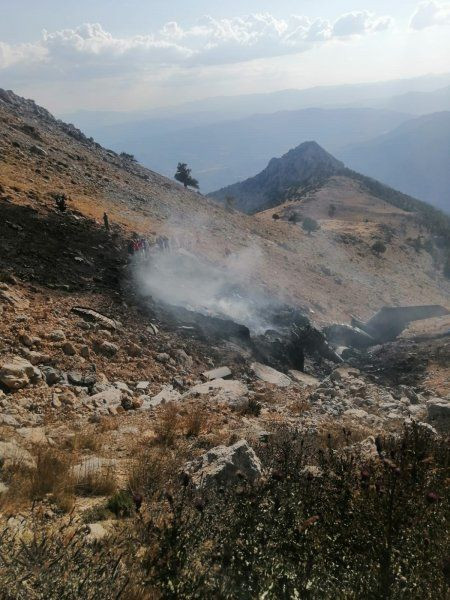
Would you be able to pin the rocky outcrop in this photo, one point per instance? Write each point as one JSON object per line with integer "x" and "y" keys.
{"x": 18, "y": 373}
{"x": 224, "y": 466}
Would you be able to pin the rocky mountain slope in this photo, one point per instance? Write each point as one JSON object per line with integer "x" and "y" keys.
{"x": 413, "y": 158}
{"x": 111, "y": 398}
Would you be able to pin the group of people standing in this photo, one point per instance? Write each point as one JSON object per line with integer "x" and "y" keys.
{"x": 141, "y": 247}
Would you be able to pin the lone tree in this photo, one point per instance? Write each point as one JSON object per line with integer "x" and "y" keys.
{"x": 378, "y": 248}
{"x": 183, "y": 175}
{"x": 310, "y": 225}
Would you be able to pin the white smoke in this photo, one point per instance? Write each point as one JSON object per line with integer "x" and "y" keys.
{"x": 181, "y": 277}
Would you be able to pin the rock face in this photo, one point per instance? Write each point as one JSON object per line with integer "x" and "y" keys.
{"x": 18, "y": 373}
{"x": 225, "y": 465}
{"x": 270, "y": 375}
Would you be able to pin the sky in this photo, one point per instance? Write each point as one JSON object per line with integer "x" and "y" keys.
{"x": 141, "y": 54}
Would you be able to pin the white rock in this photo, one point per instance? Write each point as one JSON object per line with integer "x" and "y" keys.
{"x": 226, "y": 390}
{"x": 269, "y": 375}
{"x": 303, "y": 378}
{"x": 18, "y": 373}
{"x": 11, "y": 454}
{"x": 92, "y": 465}
{"x": 34, "y": 435}
{"x": 219, "y": 373}
{"x": 223, "y": 465}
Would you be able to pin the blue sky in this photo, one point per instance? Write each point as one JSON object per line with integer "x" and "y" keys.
{"x": 132, "y": 54}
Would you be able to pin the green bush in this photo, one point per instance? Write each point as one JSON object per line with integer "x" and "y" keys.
{"x": 121, "y": 504}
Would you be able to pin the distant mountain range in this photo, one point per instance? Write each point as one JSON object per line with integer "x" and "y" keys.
{"x": 228, "y": 151}
{"x": 228, "y": 139}
{"x": 414, "y": 158}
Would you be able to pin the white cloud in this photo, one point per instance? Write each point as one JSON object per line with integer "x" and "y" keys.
{"x": 430, "y": 13}
{"x": 91, "y": 51}
{"x": 359, "y": 23}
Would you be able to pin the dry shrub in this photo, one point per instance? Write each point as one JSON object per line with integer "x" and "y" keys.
{"x": 299, "y": 406}
{"x": 250, "y": 407}
{"x": 52, "y": 476}
{"x": 96, "y": 482}
{"x": 334, "y": 435}
{"x": 108, "y": 424}
{"x": 194, "y": 422}
{"x": 85, "y": 440}
{"x": 155, "y": 468}
{"x": 168, "y": 425}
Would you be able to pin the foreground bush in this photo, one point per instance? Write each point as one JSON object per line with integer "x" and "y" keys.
{"x": 321, "y": 524}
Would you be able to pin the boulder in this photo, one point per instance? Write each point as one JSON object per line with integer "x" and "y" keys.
{"x": 82, "y": 380}
{"x": 219, "y": 373}
{"x": 167, "y": 394}
{"x": 224, "y": 390}
{"x": 106, "y": 348}
{"x": 18, "y": 373}
{"x": 142, "y": 386}
{"x": 92, "y": 465}
{"x": 303, "y": 378}
{"x": 183, "y": 358}
{"x": 69, "y": 349}
{"x": 225, "y": 465}
{"x": 37, "y": 358}
{"x": 57, "y": 335}
{"x": 270, "y": 375}
{"x": 110, "y": 396}
{"x": 11, "y": 454}
{"x": 95, "y": 532}
{"x": 34, "y": 435}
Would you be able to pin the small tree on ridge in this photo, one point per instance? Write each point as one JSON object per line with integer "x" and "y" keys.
{"x": 183, "y": 175}
{"x": 310, "y": 225}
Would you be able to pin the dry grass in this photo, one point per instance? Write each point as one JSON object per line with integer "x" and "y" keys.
{"x": 299, "y": 406}
{"x": 194, "y": 423}
{"x": 96, "y": 482}
{"x": 85, "y": 440}
{"x": 52, "y": 477}
{"x": 168, "y": 425}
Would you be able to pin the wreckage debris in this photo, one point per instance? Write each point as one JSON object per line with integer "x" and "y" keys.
{"x": 92, "y": 315}
{"x": 390, "y": 321}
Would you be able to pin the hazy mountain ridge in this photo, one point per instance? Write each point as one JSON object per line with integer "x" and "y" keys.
{"x": 308, "y": 166}
{"x": 223, "y": 152}
{"x": 413, "y": 158}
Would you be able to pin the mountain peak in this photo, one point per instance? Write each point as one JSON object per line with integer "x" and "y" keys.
{"x": 305, "y": 165}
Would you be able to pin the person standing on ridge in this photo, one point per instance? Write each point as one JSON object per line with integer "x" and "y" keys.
{"x": 106, "y": 221}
